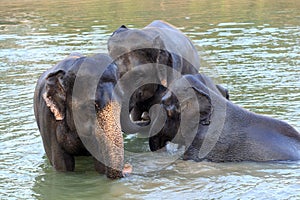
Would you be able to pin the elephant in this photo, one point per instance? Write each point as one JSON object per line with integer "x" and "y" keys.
{"x": 215, "y": 129}
{"x": 150, "y": 58}
{"x": 75, "y": 113}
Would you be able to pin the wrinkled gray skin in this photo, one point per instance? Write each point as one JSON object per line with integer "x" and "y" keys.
{"x": 159, "y": 44}
{"x": 55, "y": 105}
{"x": 225, "y": 131}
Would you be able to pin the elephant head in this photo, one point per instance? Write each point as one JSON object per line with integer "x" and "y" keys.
{"x": 77, "y": 113}
{"x": 168, "y": 54}
{"x": 180, "y": 106}
{"x": 186, "y": 107}
{"x": 158, "y": 42}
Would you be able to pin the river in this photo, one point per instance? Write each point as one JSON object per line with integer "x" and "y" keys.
{"x": 251, "y": 47}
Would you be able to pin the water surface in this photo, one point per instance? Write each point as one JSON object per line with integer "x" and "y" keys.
{"x": 251, "y": 47}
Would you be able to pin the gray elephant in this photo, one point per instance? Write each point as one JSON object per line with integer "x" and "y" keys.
{"x": 213, "y": 128}
{"x": 150, "y": 58}
{"x": 75, "y": 112}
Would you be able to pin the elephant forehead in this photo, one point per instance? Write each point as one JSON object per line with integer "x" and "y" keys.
{"x": 140, "y": 75}
{"x": 127, "y": 41}
{"x": 180, "y": 84}
{"x": 92, "y": 68}
{"x": 182, "y": 89}
{"x": 170, "y": 40}
{"x": 93, "y": 72}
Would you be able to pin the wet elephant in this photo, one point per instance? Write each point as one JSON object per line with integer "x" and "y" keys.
{"x": 151, "y": 58}
{"x": 82, "y": 122}
{"x": 216, "y": 129}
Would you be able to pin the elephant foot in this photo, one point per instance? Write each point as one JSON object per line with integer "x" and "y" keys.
{"x": 196, "y": 159}
{"x": 192, "y": 154}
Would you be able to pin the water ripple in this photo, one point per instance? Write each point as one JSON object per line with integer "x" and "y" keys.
{"x": 255, "y": 56}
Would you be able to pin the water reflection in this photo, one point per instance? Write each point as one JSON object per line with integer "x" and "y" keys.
{"x": 185, "y": 178}
{"x": 252, "y": 47}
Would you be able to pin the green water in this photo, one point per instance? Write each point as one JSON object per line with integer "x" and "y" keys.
{"x": 251, "y": 47}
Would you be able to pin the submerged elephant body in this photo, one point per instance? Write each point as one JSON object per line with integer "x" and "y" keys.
{"x": 149, "y": 59}
{"x": 224, "y": 131}
{"x": 78, "y": 123}
{"x": 252, "y": 137}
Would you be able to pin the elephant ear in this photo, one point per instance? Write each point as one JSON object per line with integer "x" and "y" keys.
{"x": 205, "y": 106}
{"x": 120, "y": 29}
{"x": 223, "y": 91}
{"x": 55, "y": 95}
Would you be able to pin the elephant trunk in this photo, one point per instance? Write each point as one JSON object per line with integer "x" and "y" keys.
{"x": 145, "y": 128}
{"x": 108, "y": 131}
{"x": 129, "y": 126}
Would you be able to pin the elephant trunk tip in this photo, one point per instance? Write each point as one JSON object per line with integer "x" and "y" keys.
{"x": 113, "y": 174}
{"x": 116, "y": 174}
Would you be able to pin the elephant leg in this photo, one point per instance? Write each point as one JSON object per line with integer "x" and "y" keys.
{"x": 61, "y": 160}
{"x": 192, "y": 153}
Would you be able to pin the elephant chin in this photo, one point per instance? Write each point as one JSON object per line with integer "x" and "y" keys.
{"x": 111, "y": 145}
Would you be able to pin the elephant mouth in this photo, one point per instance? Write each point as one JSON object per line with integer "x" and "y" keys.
{"x": 143, "y": 120}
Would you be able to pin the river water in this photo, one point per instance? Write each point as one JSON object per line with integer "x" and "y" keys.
{"x": 251, "y": 47}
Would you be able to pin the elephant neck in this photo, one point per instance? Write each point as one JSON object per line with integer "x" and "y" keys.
{"x": 210, "y": 135}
